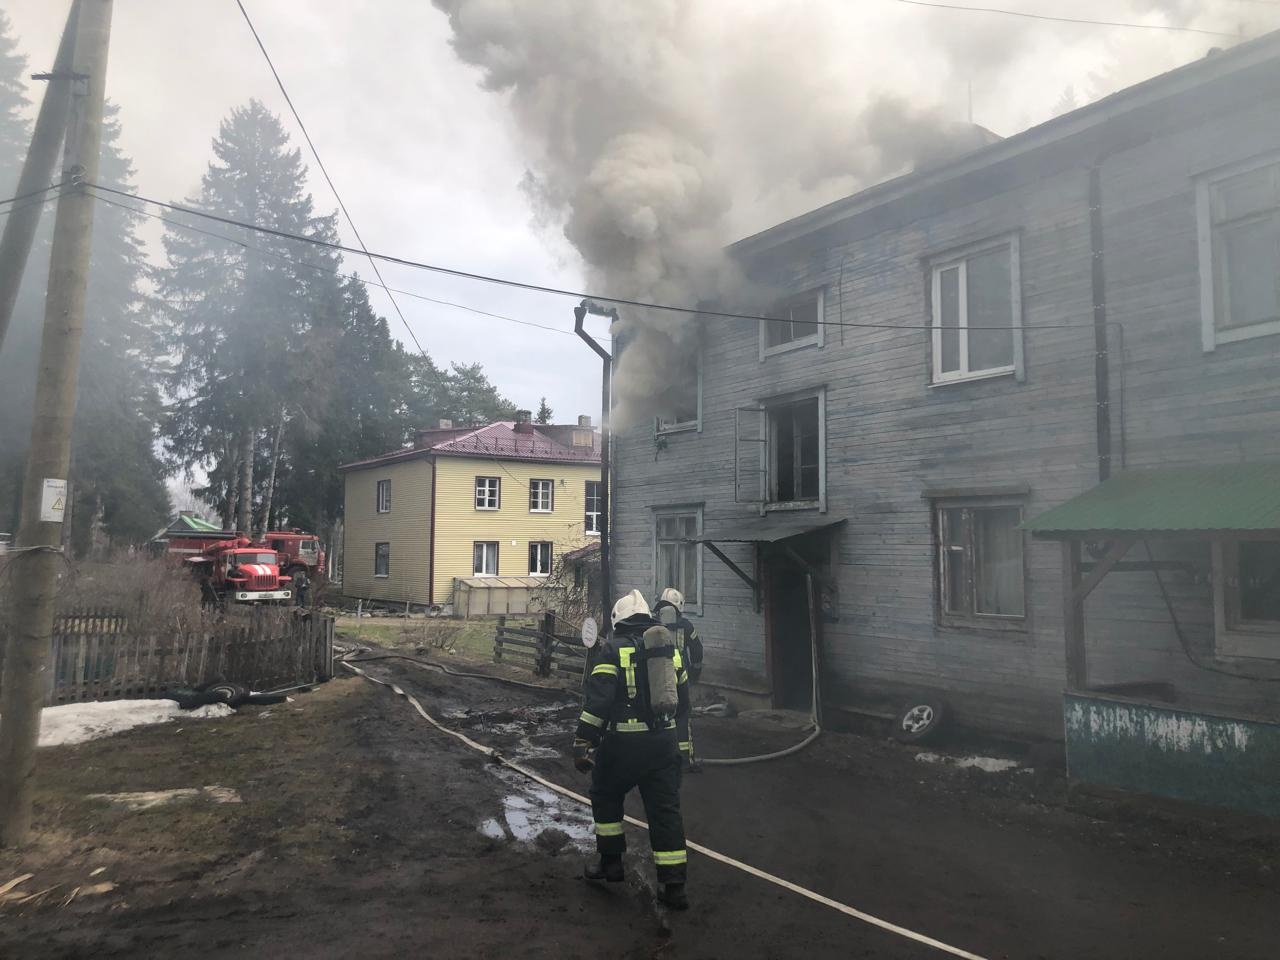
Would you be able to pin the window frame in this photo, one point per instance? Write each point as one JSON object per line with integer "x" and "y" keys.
{"x": 971, "y": 619}
{"x": 768, "y": 409}
{"x": 1258, "y": 640}
{"x": 550, "y": 557}
{"x": 959, "y": 257}
{"x": 587, "y": 513}
{"x": 816, "y": 339}
{"x": 377, "y": 550}
{"x": 497, "y": 557}
{"x": 691, "y": 607}
{"x": 1210, "y": 334}
{"x": 551, "y": 495}
{"x": 664, "y": 427}
{"x": 382, "y": 496}
{"x": 497, "y": 493}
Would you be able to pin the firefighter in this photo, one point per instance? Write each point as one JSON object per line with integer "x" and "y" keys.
{"x": 627, "y": 738}
{"x": 669, "y": 611}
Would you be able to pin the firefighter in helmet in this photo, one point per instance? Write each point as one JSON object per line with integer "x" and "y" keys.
{"x": 635, "y": 696}
{"x": 669, "y": 611}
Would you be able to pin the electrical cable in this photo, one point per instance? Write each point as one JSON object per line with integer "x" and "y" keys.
{"x": 1079, "y": 20}
{"x": 1182, "y": 639}
{"x": 34, "y": 193}
{"x": 35, "y": 202}
{"x": 541, "y": 288}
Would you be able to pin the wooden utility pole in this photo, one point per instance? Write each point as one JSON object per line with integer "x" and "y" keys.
{"x": 38, "y": 557}
{"x": 37, "y": 173}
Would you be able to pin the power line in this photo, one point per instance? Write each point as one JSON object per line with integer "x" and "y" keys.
{"x": 337, "y": 273}
{"x": 328, "y": 179}
{"x": 540, "y": 288}
{"x": 34, "y": 193}
{"x": 1079, "y": 20}
{"x": 33, "y": 202}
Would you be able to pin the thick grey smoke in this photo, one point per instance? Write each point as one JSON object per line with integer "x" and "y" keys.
{"x": 657, "y": 131}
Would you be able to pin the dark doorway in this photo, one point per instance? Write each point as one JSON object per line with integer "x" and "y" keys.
{"x": 790, "y": 640}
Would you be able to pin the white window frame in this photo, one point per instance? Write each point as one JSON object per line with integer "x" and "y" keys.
{"x": 817, "y": 339}
{"x": 376, "y": 574}
{"x": 383, "y": 496}
{"x": 550, "y": 557}
{"x": 1210, "y": 335}
{"x": 973, "y": 620}
{"x": 772, "y": 504}
{"x": 588, "y": 527}
{"x": 550, "y": 488}
{"x": 497, "y": 557}
{"x": 959, "y": 258}
{"x": 497, "y": 493}
{"x": 663, "y": 426}
{"x": 1261, "y": 642}
{"x": 680, "y": 510}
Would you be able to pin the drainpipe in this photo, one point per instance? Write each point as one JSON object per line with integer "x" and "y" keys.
{"x": 1101, "y": 361}
{"x": 606, "y": 382}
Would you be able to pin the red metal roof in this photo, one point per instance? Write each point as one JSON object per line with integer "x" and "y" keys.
{"x": 500, "y": 441}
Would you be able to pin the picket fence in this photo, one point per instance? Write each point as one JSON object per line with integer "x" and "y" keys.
{"x": 542, "y": 648}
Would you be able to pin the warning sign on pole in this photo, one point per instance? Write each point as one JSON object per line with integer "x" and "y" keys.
{"x": 53, "y": 501}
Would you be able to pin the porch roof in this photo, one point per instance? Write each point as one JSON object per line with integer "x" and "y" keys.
{"x": 769, "y": 529}
{"x": 1199, "y": 500}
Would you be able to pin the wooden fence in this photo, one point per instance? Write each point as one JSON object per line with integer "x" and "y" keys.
{"x": 541, "y": 647}
{"x": 105, "y": 655}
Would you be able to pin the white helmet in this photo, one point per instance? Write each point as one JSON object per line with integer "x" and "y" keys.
{"x": 630, "y": 605}
{"x": 674, "y": 597}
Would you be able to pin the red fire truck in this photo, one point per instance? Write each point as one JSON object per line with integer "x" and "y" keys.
{"x": 237, "y": 570}
{"x": 190, "y": 535}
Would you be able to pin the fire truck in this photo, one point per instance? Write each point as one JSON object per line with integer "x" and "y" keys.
{"x": 237, "y": 570}
{"x": 190, "y": 535}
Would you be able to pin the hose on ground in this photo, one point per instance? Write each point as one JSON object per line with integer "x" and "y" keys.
{"x": 348, "y": 658}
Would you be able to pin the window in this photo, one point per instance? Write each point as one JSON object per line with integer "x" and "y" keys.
{"x": 981, "y": 578}
{"x": 384, "y": 496}
{"x": 795, "y": 451}
{"x": 1247, "y": 598}
{"x": 541, "y": 496}
{"x": 382, "y": 559}
{"x": 488, "y": 493}
{"x": 977, "y": 313}
{"x": 593, "y": 507}
{"x": 678, "y": 561}
{"x": 799, "y": 325}
{"x": 683, "y": 392}
{"x": 1239, "y": 214}
{"x": 485, "y": 559}
{"x": 539, "y": 559}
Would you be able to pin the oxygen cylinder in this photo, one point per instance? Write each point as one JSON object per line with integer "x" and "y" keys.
{"x": 659, "y": 657}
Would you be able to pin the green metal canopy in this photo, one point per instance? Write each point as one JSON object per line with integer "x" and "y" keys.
{"x": 1227, "y": 498}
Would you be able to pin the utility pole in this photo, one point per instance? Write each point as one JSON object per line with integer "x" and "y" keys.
{"x": 37, "y": 173}
{"x": 36, "y": 560}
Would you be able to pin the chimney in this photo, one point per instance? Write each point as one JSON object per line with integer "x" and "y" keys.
{"x": 446, "y": 424}
{"x": 524, "y": 421}
{"x": 584, "y": 421}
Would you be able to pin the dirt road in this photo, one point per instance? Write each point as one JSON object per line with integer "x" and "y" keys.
{"x": 363, "y": 832}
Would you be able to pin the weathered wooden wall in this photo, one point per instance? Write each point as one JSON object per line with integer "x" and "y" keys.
{"x": 891, "y": 434}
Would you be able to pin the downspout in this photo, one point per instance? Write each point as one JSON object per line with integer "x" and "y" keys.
{"x": 431, "y": 545}
{"x": 1101, "y": 361}
{"x": 606, "y": 383}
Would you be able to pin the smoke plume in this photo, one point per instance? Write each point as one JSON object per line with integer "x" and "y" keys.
{"x": 657, "y": 131}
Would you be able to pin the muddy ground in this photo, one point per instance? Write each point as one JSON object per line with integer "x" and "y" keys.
{"x": 361, "y": 831}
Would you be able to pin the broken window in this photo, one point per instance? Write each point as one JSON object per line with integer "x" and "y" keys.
{"x": 382, "y": 559}
{"x": 541, "y": 496}
{"x": 592, "y": 515}
{"x": 485, "y": 559}
{"x": 795, "y": 433}
{"x": 539, "y": 559}
{"x": 488, "y": 493}
{"x": 677, "y": 558}
{"x": 977, "y": 313}
{"x": 683, "y": 393}
{"x": 798, "y": 324}
{"x": 981, "y": 577}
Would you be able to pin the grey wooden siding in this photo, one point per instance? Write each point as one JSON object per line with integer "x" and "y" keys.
{"x": 890, "y": 435}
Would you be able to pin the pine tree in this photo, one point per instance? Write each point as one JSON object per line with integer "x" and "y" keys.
{"x": 544, "y": 413}
{"x": 15, "y": 132}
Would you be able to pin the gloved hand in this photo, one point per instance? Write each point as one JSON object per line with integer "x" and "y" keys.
{"x": 584, "y": 756}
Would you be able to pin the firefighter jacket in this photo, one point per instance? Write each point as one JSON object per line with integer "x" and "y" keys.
{"x": 614, "y": 698}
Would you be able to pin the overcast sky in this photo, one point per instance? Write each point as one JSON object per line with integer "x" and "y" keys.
{"x": 430, "y": 164}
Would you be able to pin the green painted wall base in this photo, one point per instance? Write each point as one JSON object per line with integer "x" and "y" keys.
{"x": 1202, "y": 758}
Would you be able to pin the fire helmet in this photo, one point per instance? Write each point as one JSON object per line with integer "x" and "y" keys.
{"x": 630, "y": 605}
{"x": 674, "y": 597}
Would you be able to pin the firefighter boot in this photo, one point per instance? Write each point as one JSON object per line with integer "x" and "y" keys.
{"x": 673, "y": 896}
{"x": 609, "y": 868}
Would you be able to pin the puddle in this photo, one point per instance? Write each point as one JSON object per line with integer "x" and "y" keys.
{"x": 529, "y": 811}
{"x": 985, "y": 764}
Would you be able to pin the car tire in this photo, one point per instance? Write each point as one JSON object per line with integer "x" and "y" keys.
{"x": 233, "y": 694}
{"x": 920, "y": 721}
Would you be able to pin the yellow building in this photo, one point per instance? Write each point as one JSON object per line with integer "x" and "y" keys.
{"x": 466, "y": 503}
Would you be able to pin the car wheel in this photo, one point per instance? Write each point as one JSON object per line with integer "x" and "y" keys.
{"x": 233, "y": 694}
{"x": 920, "y": 720}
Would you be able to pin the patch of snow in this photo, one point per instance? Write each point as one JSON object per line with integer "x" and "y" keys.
{"x": 79, "y": 722}
{"x": 985, "y": 764}
{"x": 150, "y": 799}
{"x": 493, "y": 830}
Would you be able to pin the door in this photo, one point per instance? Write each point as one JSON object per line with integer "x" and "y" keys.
{"x": 790, "y": 636}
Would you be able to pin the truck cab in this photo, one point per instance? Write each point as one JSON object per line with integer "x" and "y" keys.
{"x": 237, "y": 570}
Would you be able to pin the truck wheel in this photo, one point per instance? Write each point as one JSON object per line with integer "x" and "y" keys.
{"x": 921, "y": 720}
